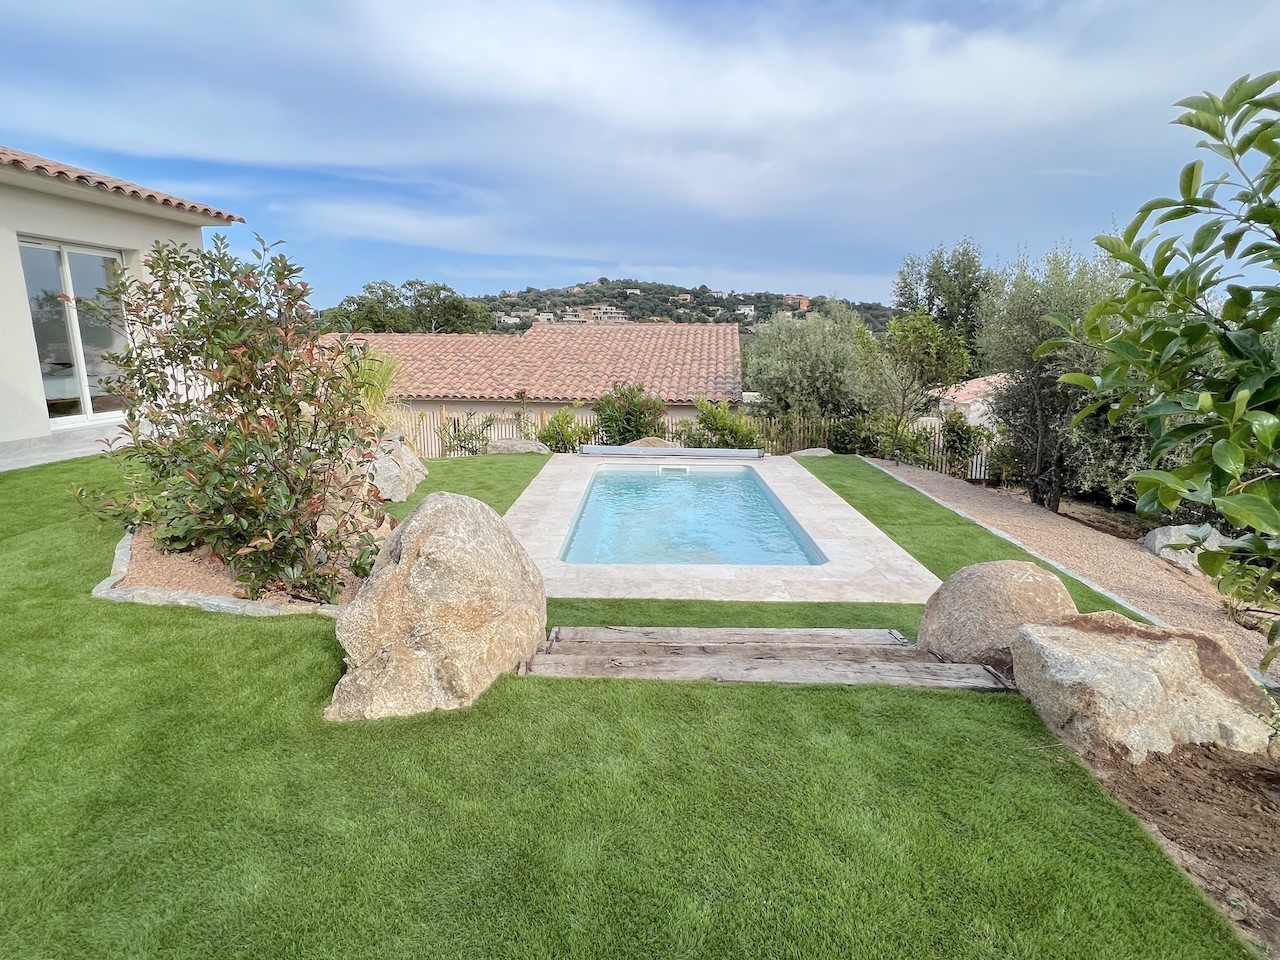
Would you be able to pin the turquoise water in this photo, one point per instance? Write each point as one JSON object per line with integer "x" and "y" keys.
{"x": 678, "y": 514}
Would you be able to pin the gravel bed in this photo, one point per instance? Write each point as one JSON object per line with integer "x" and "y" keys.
{"x": 1122, "y": 566}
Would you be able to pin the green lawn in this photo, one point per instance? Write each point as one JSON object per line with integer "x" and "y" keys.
{"x": 169, "y": 789}
{"x": 941, "y": 540}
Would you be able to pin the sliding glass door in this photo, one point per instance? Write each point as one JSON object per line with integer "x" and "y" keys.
{"x": 73, "y": 336}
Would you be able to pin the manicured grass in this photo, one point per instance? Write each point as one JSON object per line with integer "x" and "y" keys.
{"x": 497, "y": 479}
{"x": 169, "y": 789}
{"x": 941, "y": 540}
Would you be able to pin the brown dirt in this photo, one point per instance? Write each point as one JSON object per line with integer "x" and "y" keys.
{"x": 197, "y": 571}
{"x": 1217, "y": 813}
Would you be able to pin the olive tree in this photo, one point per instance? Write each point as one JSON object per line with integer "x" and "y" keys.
{"x": 1189, "y": 344}
{"x": 1031, "y": 404}
{"x": 810, "y": 366}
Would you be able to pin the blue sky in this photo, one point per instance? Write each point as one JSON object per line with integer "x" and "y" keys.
{"x": 799, "y": 146}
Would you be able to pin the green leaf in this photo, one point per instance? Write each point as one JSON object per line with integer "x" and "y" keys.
{"x": 1126, "y": 349}
{"x": 1199, "y": 102}
{"x": 1177, "y": 435}
{"x": 1189, "y": 180}
{"x": 1117, "y": 249}
{"x": 1161, "y": 477}
{"x": 1205, "y": 122}
{"x": 1211, "y": 562}
{"x": 1265, "y": 428}
{"x": 1046, "y": 348}
{"x": 1228, "y": 455}
{"x": 1079, "y": 380}
{"x": 1251, "y": 511}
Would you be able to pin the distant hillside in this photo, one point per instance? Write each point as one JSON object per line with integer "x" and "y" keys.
{"x": 640, "y": 300}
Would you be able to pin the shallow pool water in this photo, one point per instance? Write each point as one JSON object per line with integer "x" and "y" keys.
{"x": 685, "y": 514}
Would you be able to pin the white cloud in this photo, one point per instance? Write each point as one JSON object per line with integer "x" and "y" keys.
{"x": 605, "y": 130}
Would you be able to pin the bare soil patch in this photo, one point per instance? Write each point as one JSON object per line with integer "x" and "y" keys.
{"x": 199, "y": 572}
{"x": 1217, "y": 813}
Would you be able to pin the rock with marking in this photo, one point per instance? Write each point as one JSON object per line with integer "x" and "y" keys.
{"x": 1119, "y": 689}
{"x": 452, "y": 602}
{"x": 972, "y": 617}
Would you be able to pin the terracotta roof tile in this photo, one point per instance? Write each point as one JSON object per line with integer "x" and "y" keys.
{"x": 561, "y": 363}
{"x": 61, "y": 171}
{"x": 975, "y": 389}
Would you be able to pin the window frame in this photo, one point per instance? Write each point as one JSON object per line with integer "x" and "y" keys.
{"x": 71, "y": 316}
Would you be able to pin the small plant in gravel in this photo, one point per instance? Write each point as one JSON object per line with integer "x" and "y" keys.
{"x": 247, "y": 433}
{"x": 627, "y": 413}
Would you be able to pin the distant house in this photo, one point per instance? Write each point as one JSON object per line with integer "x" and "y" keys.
{"x": 633, "y": 291}
{"x": 747, "y": 310}
{"x": 64, "y": 231}
{"x": 551, "y": 365}
{"x": 685, "y": 297}
{"x": 797, "y": 300}
{"x": 973, "y": 398}
{"x": 606, "y": 313}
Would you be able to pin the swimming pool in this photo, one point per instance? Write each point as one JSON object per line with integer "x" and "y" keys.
{"x": 658, "y": 514}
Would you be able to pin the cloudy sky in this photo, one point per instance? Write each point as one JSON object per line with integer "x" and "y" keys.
{"x": 794, "y": 145}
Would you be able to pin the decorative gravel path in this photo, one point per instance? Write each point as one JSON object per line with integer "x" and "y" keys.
{"x": 1123, "y": 567}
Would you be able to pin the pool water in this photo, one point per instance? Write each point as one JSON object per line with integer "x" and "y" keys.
{"x": 685, "y": 514}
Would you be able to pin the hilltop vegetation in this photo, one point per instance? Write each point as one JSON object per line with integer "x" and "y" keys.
{"x": 641, "y": 300}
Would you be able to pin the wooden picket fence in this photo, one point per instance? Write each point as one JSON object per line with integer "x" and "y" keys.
{"x": 422, "y": 429}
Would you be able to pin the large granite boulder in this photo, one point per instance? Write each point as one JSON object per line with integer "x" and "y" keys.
{"x": 653, "y": 442}
{"x": 1121, "y": 689}
{"x": 813, "y": 452}
{"x": 397, "y": 471}
{"x": 453, "y": 601}
{"x": 516, "y": 446}
{"x": 1162, "y": 540}
{"x": 972, "y": 617}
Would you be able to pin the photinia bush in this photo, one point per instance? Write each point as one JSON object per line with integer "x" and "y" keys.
{"x": 247, "y": 431}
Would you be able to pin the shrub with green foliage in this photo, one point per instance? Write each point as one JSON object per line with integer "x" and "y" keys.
{"x": 853, "y": 435}
{"x": 1190, "y": 345}
{"x": 626, "y": 413}
{"x": 564, "y": 432}
{"x": 961, "y": 442}
{"x": 465, "y": 436}
{"x": 248, "y": 432}
{"x": 912, "y": 446}
{"x": 719, "y": 427}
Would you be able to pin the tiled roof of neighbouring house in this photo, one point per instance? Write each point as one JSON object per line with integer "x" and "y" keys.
{"x": 975, "y": 389}
{"x": 61, "y": 171}
{"x": 561, "y": 362}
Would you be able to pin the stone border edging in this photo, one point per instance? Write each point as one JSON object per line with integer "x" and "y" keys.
{"x": 1096, "y": 588}
{"x": 163, "y": 597}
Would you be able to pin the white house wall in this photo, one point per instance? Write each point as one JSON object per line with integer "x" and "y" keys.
{"x": 66, "y": 219}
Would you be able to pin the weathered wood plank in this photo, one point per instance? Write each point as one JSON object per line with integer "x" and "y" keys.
{"x": 744, "y": 649}
{"x": 948, "y": 675}
{"x": 732, "y": 635}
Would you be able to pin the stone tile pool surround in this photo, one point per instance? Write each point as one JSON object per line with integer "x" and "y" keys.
{"x": 862, "y": 565}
